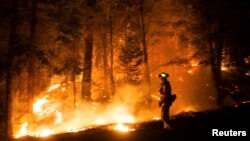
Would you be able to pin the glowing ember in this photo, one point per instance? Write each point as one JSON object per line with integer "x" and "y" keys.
{"x": 190, "y": 71}
{"x": 122, "y": 128}
{"x": 224, "y": 68}
{"x": 77, "y": 130}
{"x": 181, "y": 79}
{"x": 194, "y": 63}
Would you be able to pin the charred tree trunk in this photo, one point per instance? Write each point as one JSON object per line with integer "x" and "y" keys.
{"x": 215, "y": 51}
{"x": 112, "y": 81}
{"x": 219, "y": 48}
{"x": 33, "y": 20}
{"x": 87, "y": 60}
{"x": 8, "y": 97}
{"x": 87, "y": 67}
{"x": 32, "y": 61}
{"x": 215, "y": 38}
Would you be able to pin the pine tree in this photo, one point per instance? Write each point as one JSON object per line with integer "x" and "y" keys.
{"x": 131, "y": 59}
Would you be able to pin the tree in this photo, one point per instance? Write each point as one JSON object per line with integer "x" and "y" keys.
{"x": 9, "y": 72}
{"x": 69, "y": 29}
{"x": 88, "y": 39}
{"x": 131, "y": 59}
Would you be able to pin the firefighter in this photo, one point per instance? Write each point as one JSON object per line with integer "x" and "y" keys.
{"x": 166, "y": 98}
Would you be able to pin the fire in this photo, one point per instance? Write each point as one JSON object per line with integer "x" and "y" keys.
{"x": 45, "y": 133}
{"x": 23, "y": 130}
{"x": 53, "y": 87}
{"x": 127, "y": 118}
{"x": 123, "y": 128}
{"x": 50, "y": 119}
{"x": 53, "y": 112}
{"x": 194, "y": 63}
{"x": 100, "y": 122}
{"x": 38, "y": 105}
{"x": 59, "y": 117}
{"x": 156, "y": 118}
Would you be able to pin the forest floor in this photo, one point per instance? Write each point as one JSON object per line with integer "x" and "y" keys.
{"x": 185, "y": 126}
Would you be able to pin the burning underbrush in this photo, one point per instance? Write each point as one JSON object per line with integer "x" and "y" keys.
{"x": 52, "y": 113}
{"x": 59, "y": 109}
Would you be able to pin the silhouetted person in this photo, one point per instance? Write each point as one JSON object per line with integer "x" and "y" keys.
{"x": 166, "y": 99}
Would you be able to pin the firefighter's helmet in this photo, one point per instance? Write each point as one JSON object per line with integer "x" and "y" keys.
{"x": 163, "y": 75}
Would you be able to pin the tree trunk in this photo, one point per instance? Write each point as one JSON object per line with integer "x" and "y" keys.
{"x": 112, "y": 81}
{"x": 145, "y": 53}
{"x": 32, "y": 62}
{"x": 74, "y": 88}
{"x": 105, "y": 63}
{"x": 215, "y": 51}
{"x": 87, "y": 67}
{"x": 75, "y": 70}
{"x": 219, "y": 48}
{"x": 8, "y": 97}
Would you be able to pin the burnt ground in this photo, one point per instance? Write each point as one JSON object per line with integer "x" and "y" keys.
{"x": 186, "y": 126}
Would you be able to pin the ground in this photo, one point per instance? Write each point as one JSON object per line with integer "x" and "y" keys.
{"x": 185, "y": 126}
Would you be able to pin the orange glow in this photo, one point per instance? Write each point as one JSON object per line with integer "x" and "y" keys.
{"x": 59, "y": 117}
{"x": 53, "y": 87}
{"x": 123, "y": 128}
{"x": 181, "y": 79}
{"x": 190, "y": 71}
{"x": 23, "y": 130}
{"x": 224, "y": 68}
{"x": 194, "y": 63}
{"x": 156, "y": 118}
{"x": 189, "y": 109}
{"x": 38, "y": 105}
{"x": 53, "y": 112}
{"x": 100, "y": 122}
{"x": 45, "y": 133}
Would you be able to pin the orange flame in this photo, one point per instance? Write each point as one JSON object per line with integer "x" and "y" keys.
{"x": 123, "y": 128}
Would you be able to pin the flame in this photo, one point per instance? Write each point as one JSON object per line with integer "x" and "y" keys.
{"x": 100, "y": 122}
{"x": 23, "y": 130}
{"x": 127, "y": 118}
{"x": 45, "y": 133}
{"x": 59, "y": 117}
{"x": 156, "y": 118}
{"x": 123, "y": 128}
{"x": 223, "y": 68}
{"x": 54, "y": 112}
{"x": 46, "y": 115}
{"x": 53, "y": 87}
{"x": 38, "y": 105}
